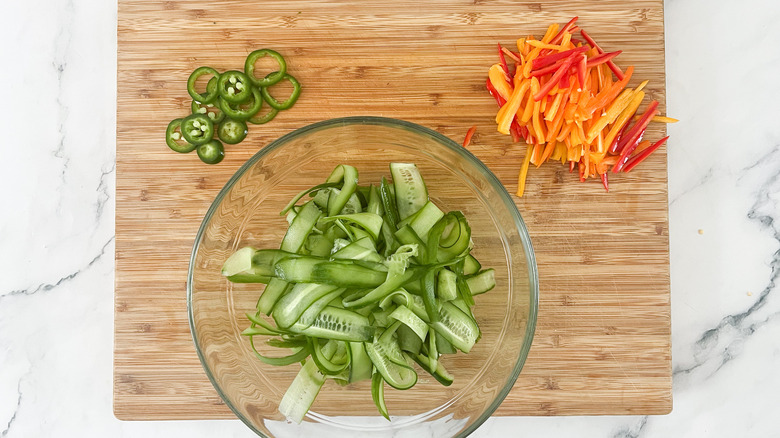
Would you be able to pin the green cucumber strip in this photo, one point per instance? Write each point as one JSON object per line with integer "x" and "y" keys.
{"x": 360, "y": 366}
{"x": 425, "y": 219}
{"x": 303, "y": 193}
{"x": 406, "y": 236}
{"x": 302, "y": 392}
{"x": 392, "y": 283}
{"x": 282, "y": 343}
{"x": 382, "y": 317}
{"x": 368, "y": 221}
{"x": 471, "y": 265}
{"x": 308, "y": 317}
{"x": 357, "y": 251}
{"x": 482, "y": 282}
{"x": 375, "y": 201}
{"x": 291, "y": 215}
{"x": 239, "y": 262}
{"x": 464, "y": 292}
{"x": 396, "y": 375}
{"x": 265, "y": 325}
{"x": 440, "y": 374}
{"x": 443, "y": 345}
{"x": 250, "y": 277}
{"x": 457, "y": 327}
{"x": 460, "y": 304}
{"x": 324, "y": 363}
{"x": 360, "y": 233}
{"x": 378, "y": 394}
{"x": 388, "y": 245}
{"x": 298, "y": 355}
{"x": 388, "y": 204}
{"x": 349, "y": 176}
{"x": 462, "y": 244}
{"x": 254, "y": 331}
{"x": 337, "y": 273}
{"x": 337, "y": 324}
{"x": 447, "y": 287}
{"x": 322, "y": 197}
{"x": 408, "y": 318}
{"x": 352, "y": 206}
{"x": 433, "y": 352}
{"x": 301, "y": 227}
{"x": 410, "y": 190}
{"x": 318, "y": 245}
{"x": 429, "y": 295}
{"x": 408, "y": 340}
{"x": 402, "y": 297}
{"x": 293, "y": 304}
{"x": 271, "y": 294}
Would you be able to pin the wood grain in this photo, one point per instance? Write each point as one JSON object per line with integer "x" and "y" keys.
{"x": 602, "y": 342}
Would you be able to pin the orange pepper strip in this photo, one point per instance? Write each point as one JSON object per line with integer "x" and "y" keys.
{"x": 551, "y": 32}
{"x": 521, "y": 47}
{"x": 538, "y": 127}
{"x": 624, "y": 117}
{"x": 524, "y": 171}
{"x": 508, "y": 112}
{"x": 564, "y": 133}
{"x": 662, "y": 119}
{"x": 614, "y": 110}
{"x": 549, "y": 115}
{"x": 608, "y": 95}
{"x": 529, "y": 107}
{"x": 548, "y": 151}
{"x": 644, "y": 144}
{"x": 542, "y": 45}
{"x": 498, "y": 79}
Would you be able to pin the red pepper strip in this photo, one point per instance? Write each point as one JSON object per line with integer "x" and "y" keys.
{"x": 608, "y": 95}
{"x": 634, "y": 136}
{"x": 564, "y": 81}
{"x": 469, "y": 134}
{"x": 613, "y": 148}
{"x": 605, "y": 181}
{"x": 582, "y": 170}
{"x": 566, "y": 28}
{"x": 582, "y": 70}
{"x": 600, "y": 59}
{"x": 564, "y": 69}
{"x": 502, "y": 59}
{"x": 511, "y": 54}
{"x": 576, "y": 41}
{"x": 571, "y": 166}
{"x": 544, "y": 61}
{"x": 514, "y": 129}
{"x": 493, "y": 92}
{"x": 636, "y": 159}
{"x": 610, "y": 64}
{"x": 548, "y": 69}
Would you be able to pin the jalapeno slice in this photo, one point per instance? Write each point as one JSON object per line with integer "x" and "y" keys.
{"x": 290, "y": 100}
{"x": 270, "y": 79}
{"x": 212, "y": 152}
{"x": 197, "y": 129}
{"x": 174, "y": 139}
{"x": 243, "y": 111}
{"x": 211, "y": 110}
{"x": 210, "y": 95}
{"x": 259, "y": 119}
{"x": 234, "y": 86}
{"x": 232, "y": 131}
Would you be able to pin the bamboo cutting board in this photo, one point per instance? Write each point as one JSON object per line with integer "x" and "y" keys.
{"x": 602, "y": 343}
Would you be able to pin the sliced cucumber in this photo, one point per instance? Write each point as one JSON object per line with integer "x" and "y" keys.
{"x": 360, "y": 364}
{"x": 408, "y": 318}
{"x": 336, "y": 273}
{"x": 300, "y": 227}
{"x": 425, "y": 219}
{"x": 291, "y": 306}
{"x": 411, "y": 194}
{"x": 457, "y": 327}
{"x": 308, "y": 317}
{"x": 273, "y": 291}
{"x": 440, "y": 373}
{"x": 378, "y": 394}
{"x": 338, "y": 324}
{"x": 447, "y": 288}
{"x": 302, "y": 392}
{"x": 471, "y": 265}
{"x": 396, "y": 375}
{"x": 482, "y": 282}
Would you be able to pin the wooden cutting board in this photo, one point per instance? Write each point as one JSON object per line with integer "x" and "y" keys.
{"x": 602, "y": 342}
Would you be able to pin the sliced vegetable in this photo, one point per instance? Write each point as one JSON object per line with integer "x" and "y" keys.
{"x": 291, "y": 99}
{"x": 271, "y": 78}
{"x": 212, "y": 152}
{"x": 197, "y": 129}
{"x": 341, "y": 288}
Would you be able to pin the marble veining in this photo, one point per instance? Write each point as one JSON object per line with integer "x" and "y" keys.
{"x": 56, "y": 229}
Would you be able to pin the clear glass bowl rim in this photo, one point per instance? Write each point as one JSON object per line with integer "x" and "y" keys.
{"x": 533, "y": 276}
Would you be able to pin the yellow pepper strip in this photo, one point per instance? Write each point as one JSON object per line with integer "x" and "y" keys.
{"x": 624, "y": 117}
{"x": 566, "y": 40}
{"x": 641, "y": 86}
{"x": 524, "y": 171}
{"x": 541, "y": 45}
{"x": 615, "y": 108}
{"x": 507, "y": 112}
{"x": 661, "y": 119}
{"x": 521, "y": 46}
{"x": 498, "y": 79}
{"x": 551, "y": 32}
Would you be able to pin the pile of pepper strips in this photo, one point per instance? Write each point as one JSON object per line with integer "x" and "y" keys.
{"x": 562, "y": 99}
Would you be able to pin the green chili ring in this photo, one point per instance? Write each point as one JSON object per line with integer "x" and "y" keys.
{"x": 270, "y": 79}
{"x": 210, "y": 93}
{"x": 236, "y": 112}
{"x": 197, "y": 129}
{"x": 173, "y": 139}
{"x": 234, "y": 86}
{"x": 211, "y": 152}
{"x": 232, "y": 131}
{"x": 290, "y": 100}
{"x": 257, "y": 119}
{"x": 203, "y": 108}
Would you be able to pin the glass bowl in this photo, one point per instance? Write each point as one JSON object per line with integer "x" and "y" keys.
{"x": 246, "y": 212}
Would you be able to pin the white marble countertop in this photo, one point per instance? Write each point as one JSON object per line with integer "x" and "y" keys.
{"x": 57, "y": 226}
